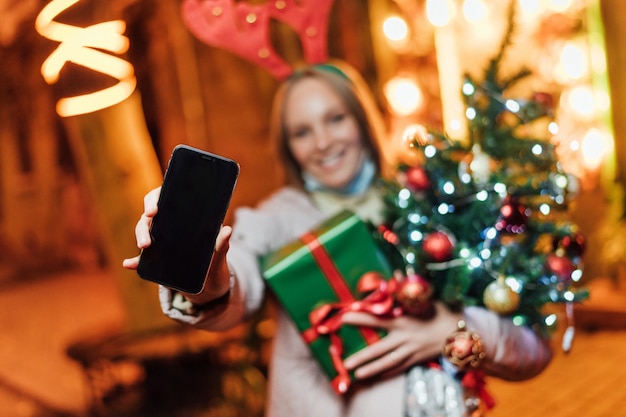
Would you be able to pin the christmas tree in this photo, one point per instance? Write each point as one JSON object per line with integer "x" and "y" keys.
{"x": 486, "y": 222}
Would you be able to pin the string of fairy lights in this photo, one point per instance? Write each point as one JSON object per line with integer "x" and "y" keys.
{"x": 86, "y": 47}
{"x": 560, "y": 40}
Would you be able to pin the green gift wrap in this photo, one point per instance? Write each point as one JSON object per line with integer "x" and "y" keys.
{"x": 322, "y": 275}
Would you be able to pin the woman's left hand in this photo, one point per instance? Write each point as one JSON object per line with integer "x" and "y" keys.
{"x": 409, "y": 340}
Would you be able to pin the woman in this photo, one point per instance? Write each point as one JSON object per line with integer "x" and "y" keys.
{"x": 327, "y": 141}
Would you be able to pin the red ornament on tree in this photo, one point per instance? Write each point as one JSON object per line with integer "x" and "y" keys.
{"x": 513, "y": 218}
{"x": 417, "y": 179}
{"x": 561, "y": 266}
{"x": 415, "y": 296}
{"x": 438, "y": 246}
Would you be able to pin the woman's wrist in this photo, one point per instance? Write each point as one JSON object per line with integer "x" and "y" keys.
{"x": 196, "y": 303}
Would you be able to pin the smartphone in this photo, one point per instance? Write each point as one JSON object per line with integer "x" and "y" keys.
{"x": 195, "y": 196}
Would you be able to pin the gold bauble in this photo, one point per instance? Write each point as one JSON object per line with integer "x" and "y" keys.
{"x": 500, "y": 297}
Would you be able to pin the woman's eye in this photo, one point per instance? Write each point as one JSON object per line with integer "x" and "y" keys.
{"x": 337, "y": 117}
{"x": 299, "y": 133}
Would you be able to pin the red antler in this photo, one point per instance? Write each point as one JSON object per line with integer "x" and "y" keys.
{"x": 244, "y": 29}
{"x": 310, "y": 20}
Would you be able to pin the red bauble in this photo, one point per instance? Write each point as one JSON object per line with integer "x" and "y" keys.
{"x": 438, "y": 246}
{"x": 561, "y": 266}
{"x": 415, "y": 296}
{"x": 513, "y": 218}
{"x": 417, "y": 179}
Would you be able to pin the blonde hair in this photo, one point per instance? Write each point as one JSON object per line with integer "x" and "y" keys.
{"x": 354, "y": 92}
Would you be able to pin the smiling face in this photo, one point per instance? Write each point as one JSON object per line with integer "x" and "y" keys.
{"x": 323, "y": 135}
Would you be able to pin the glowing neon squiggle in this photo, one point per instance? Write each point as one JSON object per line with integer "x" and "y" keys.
{"x": 77, "y": 46}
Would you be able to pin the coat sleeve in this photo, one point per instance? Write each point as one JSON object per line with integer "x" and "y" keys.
{"x": 513, "y": 353}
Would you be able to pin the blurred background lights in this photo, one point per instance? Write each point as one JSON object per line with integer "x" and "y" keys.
{"x": 513, "y": 284}
{"x": 468, "y": 89}
{"x": 396, "y": 30}
{"x": 416, "y": 236}
{"x": 573, "y": 63}
{"x": 553, "y": 128}
{"x": 551, "y": 319}
{"x": 595, "y": 146}
{"x": 430, "y": 151}
{"x": 560, "y": 5}
{"x": 580, "y": 100}
{"x": 443, "y": 208}
{"x": 440, "y": 12}
{"x": 512, "y": 105}
{"x": 561, "y": 181}
{"x": 403, "y": 95}
{"x": 448, "y": 187}
{"x": 475, "y": 11}
{"x": 529, "y": 7}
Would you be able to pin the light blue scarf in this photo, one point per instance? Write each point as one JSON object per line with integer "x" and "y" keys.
{"x": 361, "y": 181}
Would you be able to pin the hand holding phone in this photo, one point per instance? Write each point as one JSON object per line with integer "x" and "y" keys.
{"x": 195, "y": 195}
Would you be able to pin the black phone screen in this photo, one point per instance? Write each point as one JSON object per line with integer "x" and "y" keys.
{"x": 195, "y": 195}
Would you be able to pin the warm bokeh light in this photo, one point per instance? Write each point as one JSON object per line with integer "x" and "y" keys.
{"x": 440, "y": 12}
{"x": 404, "y": 95}
{"x": 529, "y": 7}
{"x": 475, "y": 11}
{"x": 396, "y": 32}
{"x": 84, "y": 47}
{"x": 559, "y": 6}
{"x": 395, "y": 29}
{"x": 573, "y": 63}
{"x": 579, "y": 100}
{"x": 595, "y": 146}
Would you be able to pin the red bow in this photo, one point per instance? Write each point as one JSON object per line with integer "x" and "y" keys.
{"x": 327, "y": 319}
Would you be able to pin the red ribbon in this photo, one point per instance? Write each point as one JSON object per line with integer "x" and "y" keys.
{"x": 327, "y": 319}
{"x": 475, "y": 380}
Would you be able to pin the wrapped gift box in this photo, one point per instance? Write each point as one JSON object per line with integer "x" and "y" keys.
{"x": 316, "y": 279}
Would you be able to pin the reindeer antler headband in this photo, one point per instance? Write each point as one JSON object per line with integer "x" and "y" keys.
{"x": 244, "y": 28}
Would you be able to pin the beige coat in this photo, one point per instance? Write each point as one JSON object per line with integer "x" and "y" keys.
{"x": 297, "y": 386}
